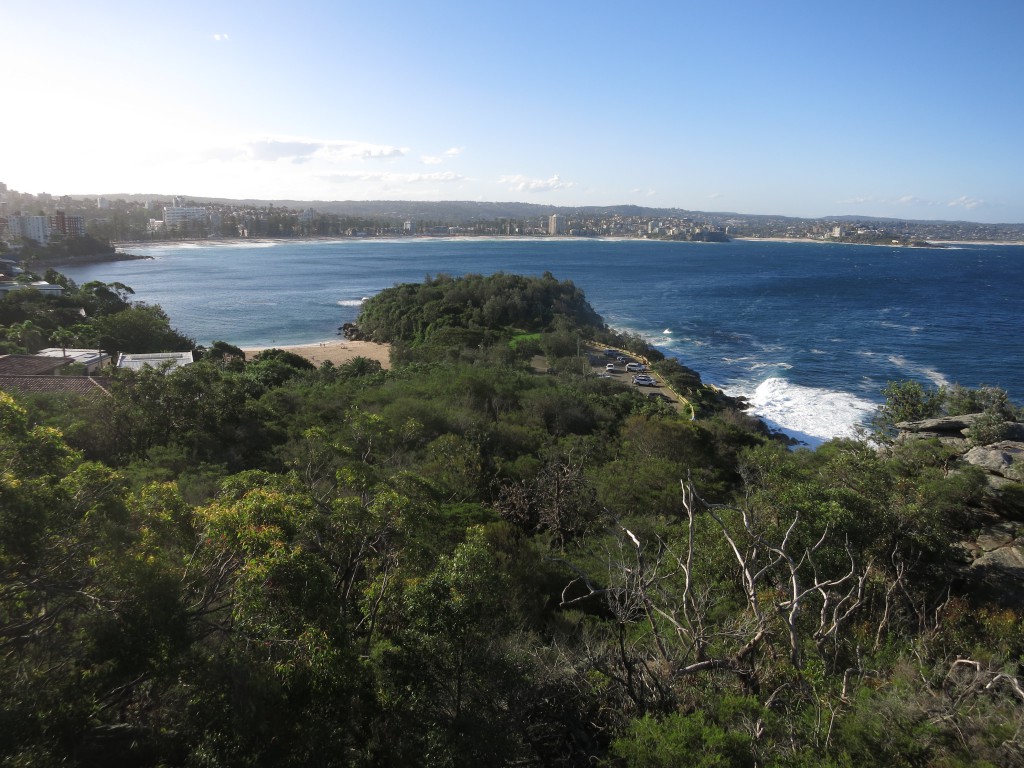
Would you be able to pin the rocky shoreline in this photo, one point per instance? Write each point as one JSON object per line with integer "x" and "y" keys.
{"x": 92, "y": 258}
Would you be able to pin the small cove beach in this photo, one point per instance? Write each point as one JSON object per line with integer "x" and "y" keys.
{"x": 336, "y": 351}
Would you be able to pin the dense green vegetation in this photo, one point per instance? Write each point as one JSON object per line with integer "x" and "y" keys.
{"x": 95, "y": 315}
{"x": 461, "y": 561}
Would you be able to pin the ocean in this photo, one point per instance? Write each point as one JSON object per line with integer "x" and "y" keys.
{"x": 810, "y": 333}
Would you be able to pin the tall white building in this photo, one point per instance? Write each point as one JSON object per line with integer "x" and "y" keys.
{"x": 32, "y": 227}
{"x": 556, "y": 224}
{"x": 175, "y": 217}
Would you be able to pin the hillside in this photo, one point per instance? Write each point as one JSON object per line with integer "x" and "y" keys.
{"x": 469, "y": 559}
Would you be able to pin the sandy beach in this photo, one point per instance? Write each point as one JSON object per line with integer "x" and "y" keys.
{"x": 336, "y": 351}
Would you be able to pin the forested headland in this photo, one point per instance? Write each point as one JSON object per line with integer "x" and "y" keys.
{"x": 462, "y": 561}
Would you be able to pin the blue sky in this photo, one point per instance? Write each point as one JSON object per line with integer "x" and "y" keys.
{"x": 899, "y": 108}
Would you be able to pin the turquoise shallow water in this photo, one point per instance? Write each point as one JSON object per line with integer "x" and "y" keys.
{"x": 794, "y": 326}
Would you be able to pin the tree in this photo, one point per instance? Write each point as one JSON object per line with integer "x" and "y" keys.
{"x": 226, "y": 355}
{"x": 273, "y": 367}
{"x": 907, "y": 401}
{"x": 139, "y": 329}
{"x": 27, "y": 333}
{"x": 63, "y": 337}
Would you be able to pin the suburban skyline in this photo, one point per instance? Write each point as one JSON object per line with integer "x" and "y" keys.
{"x": 910, "y": 110}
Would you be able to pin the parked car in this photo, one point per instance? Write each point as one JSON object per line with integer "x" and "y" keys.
{"x": 610, "y": 368}
{"x": 643, "y": 380}
{"x": 634, "y": 367}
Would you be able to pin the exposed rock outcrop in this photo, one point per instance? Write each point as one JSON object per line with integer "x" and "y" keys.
{"x": 351, "y": 332}
{"x": 997, "y": 562}
{"x": 953, "y": 431}
{"x": 1005, "y": 459}
{"x": 995, "y": 554}
{"x": 943, "y": 425}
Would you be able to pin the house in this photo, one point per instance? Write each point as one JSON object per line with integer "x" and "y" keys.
{"x": 154, "y": 360}
{"x": 38, "y": 374}
{"x": 40, "y": 285}
{"x": 92, "y": 359}
{"x": 30, "y": 365}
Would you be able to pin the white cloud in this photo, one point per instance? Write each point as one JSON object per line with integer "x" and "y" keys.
{"x": 913, "y": 200}
{"x": 301, "y": 149}
{"x": 220, "y": 37}
{"x": 520, "y": 183}
{"x": 448, "y": 154}
{"x": 382, "y": 153}
{"x": 963, "y": 201}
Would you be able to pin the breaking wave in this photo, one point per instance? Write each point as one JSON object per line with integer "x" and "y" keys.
{"x": 808, "y": 414}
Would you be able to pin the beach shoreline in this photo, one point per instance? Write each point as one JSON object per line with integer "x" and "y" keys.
{"x": 882, "y": 245}
{"x": 336, "y": 351}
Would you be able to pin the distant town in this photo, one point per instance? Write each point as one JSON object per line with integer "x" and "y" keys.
{"x": 74, "y": 226}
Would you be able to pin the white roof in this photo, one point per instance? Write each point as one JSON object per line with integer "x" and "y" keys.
{"x": 154, "y": 360}
{"x": 83, "y": 356}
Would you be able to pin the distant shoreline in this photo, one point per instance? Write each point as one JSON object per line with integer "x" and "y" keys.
{"x": 121, "y": 256}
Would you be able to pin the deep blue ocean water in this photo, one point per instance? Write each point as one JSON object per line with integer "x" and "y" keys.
{"x": 810, "y": 332}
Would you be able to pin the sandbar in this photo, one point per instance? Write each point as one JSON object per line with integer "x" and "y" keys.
{"x": 337, "y": 351}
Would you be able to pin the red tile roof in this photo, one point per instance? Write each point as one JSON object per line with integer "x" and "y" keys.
{"x": 76, "y": 385}
{"x": 30, "y": 365}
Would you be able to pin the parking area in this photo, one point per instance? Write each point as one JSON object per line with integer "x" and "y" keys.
{"x": 612, "y": 364}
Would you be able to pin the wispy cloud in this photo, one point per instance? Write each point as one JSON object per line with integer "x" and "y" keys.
{"x": 394, "y": 178}
{"x": 296, "y": 151}
{"x": 963, "y": 201}
{"x": 448, "y": 154}
{"x": 219, "y": 37}
{"x": 912, "y": 200}
{"x": 300, "y": 150}
{"x": 521, "y": 183}
{"x": 382, "y": 153}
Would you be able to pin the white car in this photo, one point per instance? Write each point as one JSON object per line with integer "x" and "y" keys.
{"x": 644, "y": 380}
{"x": 634, "y": 367}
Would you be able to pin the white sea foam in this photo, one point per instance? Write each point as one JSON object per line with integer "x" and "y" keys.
{"x": 809, "y": 415}
{"x": 937, "y": 378}
{"x": 351, "y": 302}
{"x": 901, "y": 326}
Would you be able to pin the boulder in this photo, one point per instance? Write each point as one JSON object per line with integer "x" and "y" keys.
{"x": 942, "y": 426}
{"x": 1005, "y": 458}
{"x": 996, "y": 570}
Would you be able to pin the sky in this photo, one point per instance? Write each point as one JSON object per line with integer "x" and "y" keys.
{"x": 902, "y": 108}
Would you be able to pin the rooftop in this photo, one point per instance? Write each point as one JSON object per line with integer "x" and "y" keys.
{"x": 30, "y": 365}
{"x": 154, "y": 360}
{"x": 75, "y": 385}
